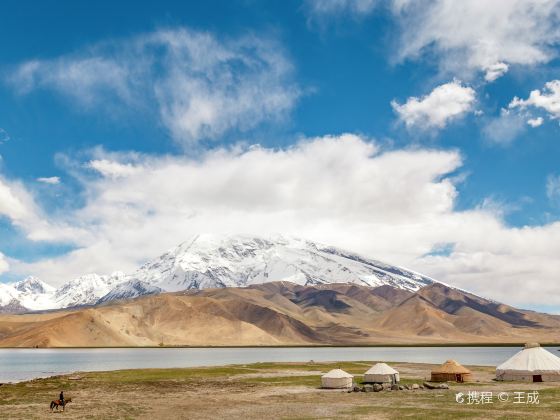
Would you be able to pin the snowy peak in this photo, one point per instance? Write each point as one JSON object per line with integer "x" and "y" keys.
{"x": 130, "y": 289}
{"x": 87, "y": 289}
{"x": 233, "y": 261}
{"x": 32, "y": 285}
{"x": 210, "y": 261}
{"x": 7, "y": 294}
{"x": 32, "y": 294}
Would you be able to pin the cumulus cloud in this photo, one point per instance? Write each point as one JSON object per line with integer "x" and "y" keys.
{"x": 512, "y": 265}
{"x": 535, "y": 122}
{"x": 468, "y": 37}
{"x": 445, "y": 103}
{"x": 302, "y": 190}
{"x": 201, "y": 86}
{"x": 472, "y": 36}
{"x": 51, "y": 180}
{"x": 553, "y": 189}
{"x": 495, "y": 71}
{"x": 395, "y": 205}
{"x": 547, "y": 100}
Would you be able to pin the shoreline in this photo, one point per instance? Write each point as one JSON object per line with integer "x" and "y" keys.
{"x": 22, "y": 364}
{"x": 399, "y": 345}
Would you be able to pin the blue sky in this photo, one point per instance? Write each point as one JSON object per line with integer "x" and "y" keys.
{"x": 102, "y": 104}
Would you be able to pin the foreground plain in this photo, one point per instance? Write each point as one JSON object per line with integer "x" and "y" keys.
{"x": 272, "y": 390}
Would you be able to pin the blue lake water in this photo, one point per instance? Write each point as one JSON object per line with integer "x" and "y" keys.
{"x": 23, "y": 364}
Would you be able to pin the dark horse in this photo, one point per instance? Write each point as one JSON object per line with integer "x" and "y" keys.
{"x": 56, "y": 403}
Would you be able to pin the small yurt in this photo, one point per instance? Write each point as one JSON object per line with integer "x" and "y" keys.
{"x": 381, "y": 373}
{"x": 532, "y": 364}
{"x": 337, "y": 378}
{"x": 451, "y": 371}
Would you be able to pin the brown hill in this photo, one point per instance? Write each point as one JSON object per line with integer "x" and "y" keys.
{"x": 283, "y": 313}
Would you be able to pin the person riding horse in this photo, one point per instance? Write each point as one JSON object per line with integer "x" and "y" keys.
{"x": 61, "y": 402}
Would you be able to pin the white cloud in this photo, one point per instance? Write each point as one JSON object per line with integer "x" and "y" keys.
{"x": 470, "y": 36}
{"x": 15, "y": 202}
{"x": 553, "y": 189}
{"x": 395, "y": 205}
{"x": 495, "y": 71}
{"x": 465, "y": 37}
{"x": 111, "y": 169}
{"x": 303, "y": 190}
{"x": 504, "y": 129}
{"x": 548, "y": 99}
{"x": 201, "y": 86}
{"x": 4, "y": 266}
{"x": 86, "y": 78}
{"x": 320, "y": 8}
{"x": 19, "y": 206}
{"x": 445, "y": 103}
{"x": 52, "y": 180}
{"x": 535, "y": 122}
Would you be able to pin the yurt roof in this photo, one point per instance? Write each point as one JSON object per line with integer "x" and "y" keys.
{"x": 381, "y": 369}
{"x": 532, "y": 358}
{"x": 337, "y": 373}
{"x": 451, "y": 366}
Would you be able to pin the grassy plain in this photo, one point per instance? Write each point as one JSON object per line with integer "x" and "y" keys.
{"x": 263, "y": 390}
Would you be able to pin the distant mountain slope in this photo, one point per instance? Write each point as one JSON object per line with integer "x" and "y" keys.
{"x": 210, "y": 261}
{"x": 283, "y": 313}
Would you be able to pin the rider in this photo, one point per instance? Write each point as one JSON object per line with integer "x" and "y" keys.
{"x": 61, "y": 398}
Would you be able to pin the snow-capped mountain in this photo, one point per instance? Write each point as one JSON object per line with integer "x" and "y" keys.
{"x": 208, "y": 261}
{"x": 86, "y": 290}
{"x": 7, "y": 294}
{"x": 130, "y": 289}
{"x": 34, "y": 294}
{"x": 32, "y": 286}
{"x": 232, "y": 261}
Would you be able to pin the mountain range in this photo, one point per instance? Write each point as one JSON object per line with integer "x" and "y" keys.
{"x": 214, "y": 261}
{"x": 284, "y": 313}
{"x": 246, "y": 290}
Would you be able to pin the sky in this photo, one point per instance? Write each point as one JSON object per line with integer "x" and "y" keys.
{"x": 422, "y": 133}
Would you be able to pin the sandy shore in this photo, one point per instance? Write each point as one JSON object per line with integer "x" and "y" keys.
{"x": 265, "y": 390}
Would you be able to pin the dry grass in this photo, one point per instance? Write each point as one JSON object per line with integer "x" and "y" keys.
{"x": 265, "y": 390}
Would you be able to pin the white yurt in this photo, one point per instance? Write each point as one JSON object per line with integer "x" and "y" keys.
{"x": 381, "y": 373}
{"x": 532, "y": 364}
{"x": 337, "y": 378}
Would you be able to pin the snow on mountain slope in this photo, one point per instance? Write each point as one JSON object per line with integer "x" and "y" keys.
{"x": 7, "y": 294}
{"x": 208, "y": 261}
{"x": 33, "y": 294}
{"x": 233, "y": 261}
{"x": 130, "y": 289}
{"x": 86, "y": 290}
{"x": 32, "y": 285}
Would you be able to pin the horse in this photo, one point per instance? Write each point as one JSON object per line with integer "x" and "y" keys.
{"x": 56, "y": 403}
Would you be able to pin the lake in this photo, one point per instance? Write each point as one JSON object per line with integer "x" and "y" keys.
{"x": 23, "y": 364}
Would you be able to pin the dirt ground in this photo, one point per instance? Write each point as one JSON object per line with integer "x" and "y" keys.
{"x": 272, "y": 390}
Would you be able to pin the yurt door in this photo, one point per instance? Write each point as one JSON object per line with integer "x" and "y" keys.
{"x": 458, "y": 378}
{"x": 537, "y": 378}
